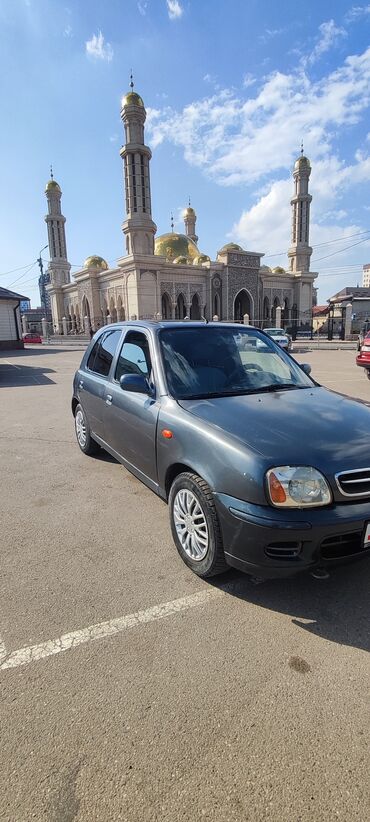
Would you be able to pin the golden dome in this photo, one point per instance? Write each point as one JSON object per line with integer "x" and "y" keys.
{"x": 302, "y": 162}
{"x": 96, "y": 262}
{"x": 132, "y": 99}
{"x": 202, "y": 258}
{"x": 174, "y": 245}
{"x": 279, "y": 270}
{"x": 189, "y": 212}
{"x": 230, "y": 247}
{"x": 52, "y": 185}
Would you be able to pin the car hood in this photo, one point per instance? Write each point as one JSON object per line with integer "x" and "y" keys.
{"x": 312, "y": 426}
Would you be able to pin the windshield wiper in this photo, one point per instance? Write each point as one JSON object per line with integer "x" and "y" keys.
{"x": 280, "y": 386}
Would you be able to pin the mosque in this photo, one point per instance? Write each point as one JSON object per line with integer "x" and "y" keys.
{"x": 168, "y": 276}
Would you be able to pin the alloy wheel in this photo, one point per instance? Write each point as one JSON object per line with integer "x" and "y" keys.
{"x": 191, "y": 524}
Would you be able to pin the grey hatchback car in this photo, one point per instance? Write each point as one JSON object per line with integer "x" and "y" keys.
{"x": 263, "y": 469}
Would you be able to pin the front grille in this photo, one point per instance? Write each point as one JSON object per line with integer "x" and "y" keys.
{"x": 343, "y": 545}
{"x": 283, "y": 550}
{"x": 354, "y": 483}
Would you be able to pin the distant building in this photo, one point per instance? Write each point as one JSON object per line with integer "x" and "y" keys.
{"x": 168, "y": 276}
{"x": 10, "y": 319}
{"x": 353, "y": 303}
{"x": 366, "y": 275}
{"x": 32, "y": 320}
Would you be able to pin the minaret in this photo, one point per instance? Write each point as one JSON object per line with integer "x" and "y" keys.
{"x": 59, "y": 267}
{"x": 190, "y": 219}
{"x": 300, "y": 250}
{"x": 139, "y": 228}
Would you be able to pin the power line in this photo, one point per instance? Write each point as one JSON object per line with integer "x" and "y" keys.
{"x": 13, "y": 270}
{"x": 334, "y": 253}
{"x": 328, "y": 242}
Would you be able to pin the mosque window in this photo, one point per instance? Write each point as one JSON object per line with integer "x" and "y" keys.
{"x": 53, "y": 238}
{"x": 127, "y": 186}
{"x": 300, "y": 221}
{"x": 59, "y": 241}
{"x": 143, "y": 182}
{"x": 134, "y": 180}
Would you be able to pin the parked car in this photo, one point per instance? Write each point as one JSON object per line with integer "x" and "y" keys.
{"x": 363, "y": 358}
{"x": 280, "y": 337}
{"x": 363, "y": 333}
{"x": 262, "y": 468}
{"x": 31, "y": 338}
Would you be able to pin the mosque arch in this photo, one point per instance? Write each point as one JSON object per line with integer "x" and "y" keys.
{"x": 180, "y": 310}
{"x": 276, "y": 304}
{"x": 112, "y": 310}
{"x": 266, "y": 311}
{"x": 217, "y": 306}
{"x": 243, "y": 304}
{"x": 120, "y": 309}
{"x": 166, "y": 307}
{"x": 195, "y": 313}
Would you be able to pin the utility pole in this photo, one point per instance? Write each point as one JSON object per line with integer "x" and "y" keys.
{"x": 41, "y": 280}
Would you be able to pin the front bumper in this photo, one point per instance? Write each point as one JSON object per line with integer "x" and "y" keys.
{"x": 363, "y": 360}
{"x": 271, "y": 542}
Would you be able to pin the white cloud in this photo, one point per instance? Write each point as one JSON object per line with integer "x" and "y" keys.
{"x": 248, "y": 80}
{"x": 175, "y": 9}
{"x": 142, "y": 6}
{"x": 236, "y": 139}
{"x": 356, "y": 13}
{"x": 113, "y": 138}
{"x": 68, "y": 31}
{"x": 269, "y": 34}
{"x": 98, "y": 49}
{"x": 330, "y": 33}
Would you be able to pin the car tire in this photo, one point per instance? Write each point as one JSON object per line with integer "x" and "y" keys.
{"x": 368, "y": 373}
{"x": 191, "y": 499}
{"x": 85, "y": 441}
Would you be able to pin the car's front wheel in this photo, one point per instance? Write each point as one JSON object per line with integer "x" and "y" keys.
{"x": 195, "y": 527}
{"x": 84, "y": 438}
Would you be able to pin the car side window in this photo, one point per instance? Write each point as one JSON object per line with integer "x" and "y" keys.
{"x": 100, "y": 359}
{"x": 134, "y": 357}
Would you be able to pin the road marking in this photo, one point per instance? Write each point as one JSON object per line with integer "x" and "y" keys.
{"x": 33, "y": 653}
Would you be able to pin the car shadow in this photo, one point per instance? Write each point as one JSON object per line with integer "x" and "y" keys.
{"x": 12, "y": 376}
{"x": 335, "y": 609}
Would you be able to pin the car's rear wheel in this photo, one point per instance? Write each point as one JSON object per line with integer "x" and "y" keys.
{"x": 194, "y": 525}
{"x": 86, "y": 443}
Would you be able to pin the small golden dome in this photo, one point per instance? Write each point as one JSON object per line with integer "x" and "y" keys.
{"x": 279, "y": 270}
{"x": 180, "y": 260}
{"x": 189, "y": 212}
{"x": 172, "y": 246}
{"x": 302, "y": 162}
{"x": 202, "y": 258}
{"x": 96, "y": 262}
{"x": 265, "y": 268}
{"x": 132, "y": 99}
{"x": 230, "y": 247}
{"x": 52, "y": 185}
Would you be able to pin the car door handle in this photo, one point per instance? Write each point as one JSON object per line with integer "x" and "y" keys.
{"x": 81, "y": 384}
{"x": 109, "y": 399}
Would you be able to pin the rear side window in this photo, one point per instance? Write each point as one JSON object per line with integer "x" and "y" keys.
{"x": 101, "y": 356}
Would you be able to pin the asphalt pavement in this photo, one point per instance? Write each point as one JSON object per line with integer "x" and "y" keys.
{"x": 130, "y": 689}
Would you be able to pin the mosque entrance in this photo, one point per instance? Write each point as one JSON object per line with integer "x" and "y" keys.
{"x": 242, "y": 305}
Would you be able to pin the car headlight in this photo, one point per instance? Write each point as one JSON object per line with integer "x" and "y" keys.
{"x": 297, "y": 486}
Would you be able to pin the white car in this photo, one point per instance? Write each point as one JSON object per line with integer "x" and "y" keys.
{"x": 280, "y": 337}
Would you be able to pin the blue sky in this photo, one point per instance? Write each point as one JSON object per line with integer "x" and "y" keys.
{"x": 230, "y": 90}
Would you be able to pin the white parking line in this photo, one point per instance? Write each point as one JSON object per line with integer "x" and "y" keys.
{"x": 33, "y": 653}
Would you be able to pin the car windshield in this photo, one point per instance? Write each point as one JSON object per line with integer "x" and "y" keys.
{"x": 215, "y": 361}
{"x": 275, "y": 332}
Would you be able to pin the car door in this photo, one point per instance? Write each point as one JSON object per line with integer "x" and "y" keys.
{"x": 92, "y": 380}
{"x": 131, "y": 418}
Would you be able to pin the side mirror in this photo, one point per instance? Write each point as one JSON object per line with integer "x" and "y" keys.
{"x": 135, "y": 382}
{"x": 306, "y": 368}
